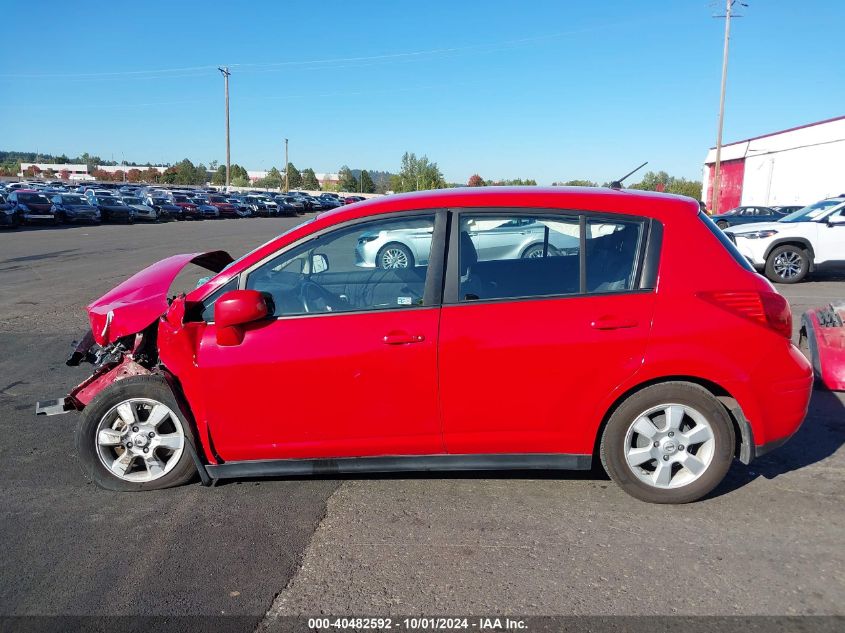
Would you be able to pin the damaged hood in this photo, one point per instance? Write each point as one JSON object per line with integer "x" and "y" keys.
{"x": 140, "y": 300}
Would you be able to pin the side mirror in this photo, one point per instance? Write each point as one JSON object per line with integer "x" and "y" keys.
{"x": 836, "y": 220}
{"x": 235, "y": 309}
{"x": 319, "y": 263}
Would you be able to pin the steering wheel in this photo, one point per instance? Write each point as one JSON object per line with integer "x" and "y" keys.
{"x": 315, "y": 298}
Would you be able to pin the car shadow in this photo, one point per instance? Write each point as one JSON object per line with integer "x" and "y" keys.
{"x": 819, "y": 437}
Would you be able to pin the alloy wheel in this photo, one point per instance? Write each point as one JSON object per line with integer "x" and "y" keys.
{"x": 139, "y": 440}
{"x": 787, "y": 265}
{"x": 669, "y": 446}
{"x": 394, "y": 258}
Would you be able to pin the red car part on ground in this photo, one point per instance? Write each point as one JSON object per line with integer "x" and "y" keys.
{"x": 823, "y": 334}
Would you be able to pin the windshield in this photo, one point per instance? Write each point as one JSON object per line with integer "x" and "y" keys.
{"x": 112, "y": 202}
{"x": 159, "y": 200}
{"x": 812, "y": 212}
{"x": 74, "y": 200}
{"x": 132, "y": 200}
{"x": 33, "y": 198}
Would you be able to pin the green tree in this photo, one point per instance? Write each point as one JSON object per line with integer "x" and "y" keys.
{"x": 309, "y": 180}
{"x": 514, "y": 182}
{"x": 235, "y": 171}
{"x": 185, "y": 173}
{"x": 347, "y": 179}
{"x": 575, "y": 183}
{"x": 240, "y": 181}
{"x": 417, "y": 174}
{"x": 294, "y": 177}
{"x": 662, "y": 181}
{"x": 366, "y": 185}
{"x": 219, "y": 177}
{"x": 273, "y": 180}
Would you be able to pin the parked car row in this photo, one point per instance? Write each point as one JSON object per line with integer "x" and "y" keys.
{"x": 98, "y": 203}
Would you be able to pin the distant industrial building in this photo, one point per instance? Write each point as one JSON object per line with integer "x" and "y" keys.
{"x": 74, "y": 171}
{"x": 796, "y": 166}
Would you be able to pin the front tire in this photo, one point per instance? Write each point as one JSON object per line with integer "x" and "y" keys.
{"x": 669, "y": 443}
{"x": 394, "y": 255}
{"x": 133, "y": 437}
{"x": 787, "y": 264}
{"x": 722, "y": 224}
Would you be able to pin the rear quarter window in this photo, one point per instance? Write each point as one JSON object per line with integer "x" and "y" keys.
{"x": 725, "y": 241}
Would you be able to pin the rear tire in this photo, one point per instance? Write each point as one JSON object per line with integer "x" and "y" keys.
{"x": 102, "y": 419}
{"x": 536, "y": 250}
{"x": 669, "y": 443}
{"x": 787, "y": 264}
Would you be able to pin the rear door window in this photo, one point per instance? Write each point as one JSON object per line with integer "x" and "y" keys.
{"x": 508, "y": 256}
{"x": 613, "y": 253}
{"x": 524, "y": 256}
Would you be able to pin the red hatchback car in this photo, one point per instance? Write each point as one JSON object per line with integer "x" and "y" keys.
{"x": 520, "y": 328}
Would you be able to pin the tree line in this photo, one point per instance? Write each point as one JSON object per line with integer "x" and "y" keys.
{"x": 415, "y": 174}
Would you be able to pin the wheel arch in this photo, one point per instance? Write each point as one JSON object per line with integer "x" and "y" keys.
{"x": 531, "y": 245}
{"x": 744, "y": 447}
{"x": 801, "y": 242}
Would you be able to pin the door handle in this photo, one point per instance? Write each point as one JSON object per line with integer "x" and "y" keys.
{"x": 613, "y": 323}
{"x": 402, "y": 338}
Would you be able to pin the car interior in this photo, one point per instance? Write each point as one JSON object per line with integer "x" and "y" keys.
{"x": 611, "y": 260}
{"x": 318, "y": 279}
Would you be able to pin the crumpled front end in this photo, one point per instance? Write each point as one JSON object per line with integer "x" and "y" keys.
{"x": 140, "y": 300}
{"x": 122, "y": 341}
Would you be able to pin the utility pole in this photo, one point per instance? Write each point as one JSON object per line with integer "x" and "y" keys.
{"x": 287, "y": 164}
{"x": 714, "y": 194}
{"x": 226, "y": 73}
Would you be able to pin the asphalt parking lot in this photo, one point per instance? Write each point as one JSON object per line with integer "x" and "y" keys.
{"x": 768, "y": 541}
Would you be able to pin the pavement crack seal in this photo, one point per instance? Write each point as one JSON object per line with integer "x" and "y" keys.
{"x": 271, "y": 617}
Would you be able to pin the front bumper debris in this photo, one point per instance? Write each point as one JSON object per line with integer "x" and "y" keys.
{"x": 53, "y": 407}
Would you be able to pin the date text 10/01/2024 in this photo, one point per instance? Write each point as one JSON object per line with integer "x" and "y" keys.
{"x": 418, "y": 623}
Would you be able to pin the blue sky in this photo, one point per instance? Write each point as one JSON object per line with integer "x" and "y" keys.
{"x": 547, "y": 90}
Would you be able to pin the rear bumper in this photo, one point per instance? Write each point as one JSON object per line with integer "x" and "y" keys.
{"x": 782, "y": 388}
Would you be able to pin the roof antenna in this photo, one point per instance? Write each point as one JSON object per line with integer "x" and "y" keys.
{"x": 617, "y": 184}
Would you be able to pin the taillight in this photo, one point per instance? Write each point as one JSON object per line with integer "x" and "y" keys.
{"x": 765, "y": 308}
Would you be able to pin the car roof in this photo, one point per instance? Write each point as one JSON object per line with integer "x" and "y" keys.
{"x": 661, "y": 206}
{"x": 599, "y": 199}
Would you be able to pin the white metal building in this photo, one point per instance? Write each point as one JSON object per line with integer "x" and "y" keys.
{"x": 124, "y": 168}
{"x": 74, "y": 171}
{"x": 796, "y": 166}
